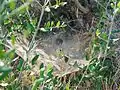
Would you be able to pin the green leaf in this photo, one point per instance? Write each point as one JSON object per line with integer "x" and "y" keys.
{"x": 57, "y": 2}
{"x": 52, "y": 23}
{"x": 63, "y": 3}
{"x": 18, "y": 10}
{"x": 47, "y": 9}
{"x": 118, "y": 5}
{"x": 23, "y": 1}
{"x": 19, "y": 66}
{"x": 37, "y": 83}
{"x": 115, "y": 31}
{"x": 2, "y": 54}
{"x": 104, "y": 36}
{"x": 7, "y": 21}
{"x": 13, "y": 39}
{"x": 44, "y": 30}
{"x": 30, "y": 27}
{"x": 49, "y": 67}
{"x": 67, "y": 87}
{"x": 88, "y": 76}
{"x": 42, "y": 66}
{"x": 1, "y": 47}
{"x": 48, "y": 24}
{"x": 34, "y": 21}
{"x": 12, "y": 4}
{"x": 3, "y": 75}
{"x": 42, "y": 70}
{"x": 10, "y": 54}
{"x": 4, "y": 72}
{"x": 30, "y": 1}
{"x": 35, "y": 59}
{"x": 63, "y": 25}
{"x": 26, "y": 33}
{"x": 58, "y": 24}
{"x": 50, "y": 73}
{"x": 40, "y": 80}
{"x": 5, "y": 69}
{"x": 97, "y": 32}
{"x": 112, "y": 5}
{"x": 91, "y": 68}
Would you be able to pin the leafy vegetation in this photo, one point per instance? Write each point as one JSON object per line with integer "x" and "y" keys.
{"x": 20, "y": 27}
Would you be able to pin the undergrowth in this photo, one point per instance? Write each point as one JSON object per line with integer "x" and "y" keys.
{"x": 17, "y": 21}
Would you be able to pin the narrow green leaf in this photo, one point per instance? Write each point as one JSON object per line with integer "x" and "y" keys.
{"x": 50, "y": 73}
{"x": 13, "y": 39}
{"x": 52, "y": 23}
{"x": 35, "y": 59}
{"x": 19, "y": 66}
{"x": 42, "y": 70}
{"x": 48, "y": 24}
{"x": 5, "y": 69}
{"x": 57, "y": 2}
{"x": 41, "y": 66}
{"x": 44, "y": 29}
{"x": 58, "y": 24}
{"x": 37, "y": 83}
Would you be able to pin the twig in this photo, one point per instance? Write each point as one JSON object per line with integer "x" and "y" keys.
{"x": 109, "y": 35}
{"x": 80, "y": 7}
{"x": 38, "y": 3}
{"x": 84, "y": 74}
{"x": 99, "y": 4}
{"x": 36, "y": 31}
{"x": 33, "y": 39}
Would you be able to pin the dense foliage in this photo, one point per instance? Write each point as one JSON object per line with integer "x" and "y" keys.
{"x": 21, "y": 23}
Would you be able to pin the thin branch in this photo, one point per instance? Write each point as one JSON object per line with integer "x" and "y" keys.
{"x": 84, "y": 74}
{"x": 80, "y": 7}
{"x": 109, "y": 35}
{"x": 36, "y": 31}
{"x": 99, "y": 4}
{"x": 33, "y": 39}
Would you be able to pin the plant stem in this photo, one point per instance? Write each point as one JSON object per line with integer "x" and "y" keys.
{"x": 110, "y": 32}
{"x": 39, "y": 22}
{"x": 36, "y": 31}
